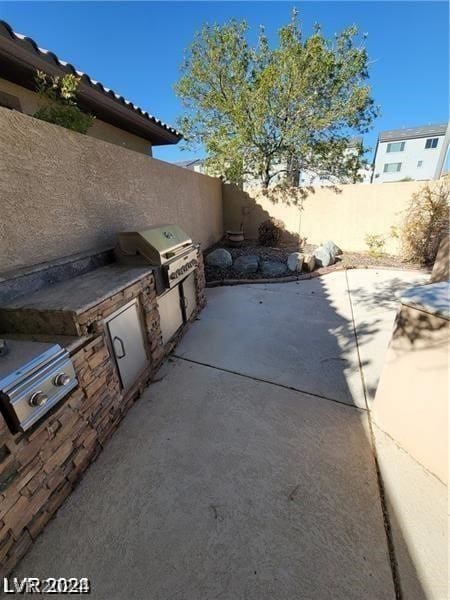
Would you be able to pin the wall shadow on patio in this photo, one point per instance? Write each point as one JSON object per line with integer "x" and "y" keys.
{"x": 404, "y": 570}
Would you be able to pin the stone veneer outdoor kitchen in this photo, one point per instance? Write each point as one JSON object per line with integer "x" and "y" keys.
{"x": 40, "y": 467}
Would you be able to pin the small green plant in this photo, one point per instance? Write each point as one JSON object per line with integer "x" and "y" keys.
{"x": 270, "y": 232}
{"x": 426, "y": 222}
{"x": 375, "y": 243}
{"x": 394, "y": 231}
{"x": 59, "y": 102}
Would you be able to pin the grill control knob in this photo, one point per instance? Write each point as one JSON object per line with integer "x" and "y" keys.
{"x": 38, "y": 399}
{"x": 61, "y": 379}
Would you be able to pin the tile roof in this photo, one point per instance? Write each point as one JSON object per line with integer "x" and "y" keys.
{"x": 188, "y": 163}
{"x": 29, "y": 45}
{"x": 412, "y": 132}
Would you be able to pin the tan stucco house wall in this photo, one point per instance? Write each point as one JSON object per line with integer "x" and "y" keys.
{"x": 29, "y": 102}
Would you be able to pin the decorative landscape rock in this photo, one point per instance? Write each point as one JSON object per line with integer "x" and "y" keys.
{"x": 309, "y": 262}
{"x": 323, "y": 257}
{"x": 332, "y": 248}
{"x": 271, "y": 268}
{"x": 219, "y": 258}
{"x": 246, "y": 264}
{"x": 295, "y": 262}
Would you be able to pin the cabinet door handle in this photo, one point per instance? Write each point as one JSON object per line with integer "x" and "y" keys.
{"x": 122, "y": 347}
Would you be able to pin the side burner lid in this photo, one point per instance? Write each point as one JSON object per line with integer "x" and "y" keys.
{"x": 23, "y": 358}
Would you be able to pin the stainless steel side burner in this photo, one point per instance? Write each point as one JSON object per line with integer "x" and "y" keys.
{"x": 34, "y": 377}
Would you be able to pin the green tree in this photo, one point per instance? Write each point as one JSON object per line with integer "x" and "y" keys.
{"x": 59, "y": 102}
{"x": 260, "y": 111}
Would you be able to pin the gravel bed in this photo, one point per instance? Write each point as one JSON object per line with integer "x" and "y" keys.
{"x": 349, "y": 260}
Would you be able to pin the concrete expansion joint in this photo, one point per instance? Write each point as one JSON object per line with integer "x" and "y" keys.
{"x": 267, "y": 381}
{"x": 423, "y": 467}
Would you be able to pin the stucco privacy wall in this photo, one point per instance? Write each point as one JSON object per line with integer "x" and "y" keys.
{"x": 345, "y": 217}
{"x": 62, "y": 193}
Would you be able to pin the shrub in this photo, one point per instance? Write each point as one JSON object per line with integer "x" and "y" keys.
{"x": 426, "y": 222}
{"x": 59, "y": 106}
{"x": 375, "y": 244}
{"x": 270, "y": 232}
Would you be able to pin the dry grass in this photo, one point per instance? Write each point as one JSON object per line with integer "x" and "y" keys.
{"x": 426, "y": 222}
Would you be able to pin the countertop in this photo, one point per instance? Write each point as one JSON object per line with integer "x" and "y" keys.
{"x": 70, "y": 342}
{"x": 83, "y": 292}
{"x": 433, "y": 298}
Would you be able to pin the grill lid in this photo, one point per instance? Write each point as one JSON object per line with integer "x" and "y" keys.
{"x": 157, "y": 244}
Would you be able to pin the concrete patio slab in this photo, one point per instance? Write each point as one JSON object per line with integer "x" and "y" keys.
{"x": 295, "y": 334}
{"x": 375, "y": 300}
{"x": 417, "y": 505}
{"x": 219, "y": 486}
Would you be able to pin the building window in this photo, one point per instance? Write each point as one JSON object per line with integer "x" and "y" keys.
{"x": 431, "y": 143}
{"x": 392, "y": 167}
{"x": 419, "y": 163}
{"x": 395, "y": 147}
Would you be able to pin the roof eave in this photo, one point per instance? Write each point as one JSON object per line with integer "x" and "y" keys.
{"x": 397, "y": 136}
{"x": 409, "y": 137}
{"x": 23, "y": 62}
{"x": 109, "y": 110}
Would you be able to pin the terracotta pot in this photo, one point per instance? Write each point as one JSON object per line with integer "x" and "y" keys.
{"x": 235, "y": 237}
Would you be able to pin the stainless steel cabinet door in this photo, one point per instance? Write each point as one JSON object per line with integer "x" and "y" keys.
{"x": 170, "y": 315}
{"x": 190, "y": 300}
{"x": 127, "y": 341}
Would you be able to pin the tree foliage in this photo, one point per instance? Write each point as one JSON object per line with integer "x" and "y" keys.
{"x": 260, "y": 111}
{"x": 59, "y": 102}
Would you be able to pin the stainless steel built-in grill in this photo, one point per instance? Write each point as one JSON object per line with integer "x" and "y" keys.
{"x": 168, "y": 248}
{"x": 174, "y": 258}
{"x": 34, "y": 376}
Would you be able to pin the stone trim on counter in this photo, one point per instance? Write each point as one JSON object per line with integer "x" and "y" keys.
{"x": 40, "y": 468}
{"x": 200, "y": 281}
{"x": 68, "y": 308}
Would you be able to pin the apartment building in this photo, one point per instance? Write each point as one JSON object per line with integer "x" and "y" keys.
{"x": 411, "y": 153}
